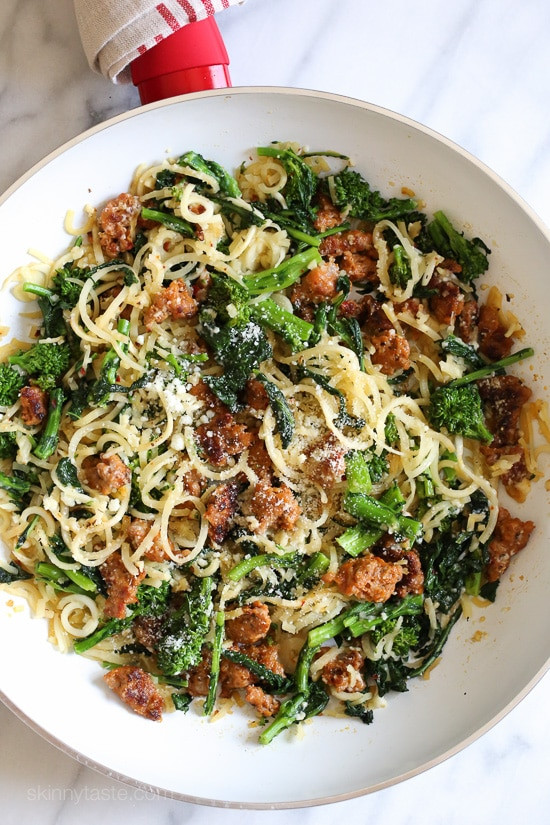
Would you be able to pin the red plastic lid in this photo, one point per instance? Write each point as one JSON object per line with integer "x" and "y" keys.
{"x": 191, "y": 60}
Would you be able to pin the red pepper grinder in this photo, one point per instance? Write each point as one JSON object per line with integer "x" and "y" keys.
{"x": 191, "y": 60}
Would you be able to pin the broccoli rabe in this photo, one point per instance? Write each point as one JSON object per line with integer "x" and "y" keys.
{"x": 452, "y": 345}
{"x": 105, "y": 384}
{"x": 449, "y": 242}
{"x": 46, "y": 362}
{"x": 17, "y": 486}
{"x": 406, "y": 638}
{"x": 459, "y": 411}
{"x": 353, "y": 193}
{"x": 11, "y": 382}
{"x": 301, "y": 184}
{"x": 228, "y": 185}
{"x": 152, "y": 601}
{"x": 8, "y": 445}
{"x": 50, "y": 434}
{"x": 184, "y": 632}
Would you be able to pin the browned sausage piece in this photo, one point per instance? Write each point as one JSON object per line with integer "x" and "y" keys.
{"x": 220, "y": 510}
{"x": 252, "y": 625}
{"x": 199, "y": 676}
{"x": 318, "y": 285}
{"x": 504, "y": 397}
{"x": 509, "y": 537}
{"x": 174, "y": 301}
{"x": 34, "y": 405}
{"x": 368, "y": 578}
{"x": 223, "y": 437}
{"x": 118, "y": 222}
{"x": 493, "y": 341}
{"x": 137, "y": 689}
{"x": 106, "y": 473}
{"x": 466, "y": 323}
{"x": 352, "y": 240}
{"x": 137, "y": 531}
{"x": 121, "y": 585}
{"x": 256, "y": 395}
{"x": 259, "y": 460}
{"x": 359, "y": 266}
{"x": 343, "y": 672}
{"x": 328, "y": 216}
{"x": 274, "y": 507}
{"x": 392, "y": 352}
{"x": 325, "y": 462}
{"x": 413, "y": 578}
{"x": 448, "y": 303}
{"x": 265, "y": 704}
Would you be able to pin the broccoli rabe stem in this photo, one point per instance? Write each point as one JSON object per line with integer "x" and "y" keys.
{"x": 483, "y": 372}
{"x": 286, "y": 717}
{"x": 50, "y": 434}
{"x": 169, "y": 220}
{"x": 101, "y": 390}
{"x": 357, "y": 539}
{"x": 374, "y": 512}
{"x": 293, "y": 329}
{"x": 284, "y": 275}
{"x": 219, "y": 631}
{"x": 17, "y": 487}
{"x": 244, "y": 567}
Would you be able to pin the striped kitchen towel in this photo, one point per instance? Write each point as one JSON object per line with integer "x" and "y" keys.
{"x": 115, "y": 32}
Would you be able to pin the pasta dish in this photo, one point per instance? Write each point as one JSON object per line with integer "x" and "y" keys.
{"x": 255, "y": 449}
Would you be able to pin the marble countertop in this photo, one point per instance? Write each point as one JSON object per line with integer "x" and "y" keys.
{"x": 477, "y": 71}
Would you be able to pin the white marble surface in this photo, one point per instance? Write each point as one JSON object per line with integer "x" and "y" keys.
{"x": 476, "y": 70}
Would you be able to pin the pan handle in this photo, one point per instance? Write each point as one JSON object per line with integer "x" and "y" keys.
{"x": 191, "y": 60}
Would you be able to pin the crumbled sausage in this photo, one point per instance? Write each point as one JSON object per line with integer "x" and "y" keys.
{"x": 252, "y": 625}
{"x": 199, "y": 676}
{"x": 274, "y": 507}
{"x": 328, "y": 216}
{"x": 375, "y": 320}
{"x": 222, "y": 438}
{"x": 256, "y": 395}
{"x": 220, "y": 510}
{"x": 391, "y": 352}
{"x": 137, "y": 689}
{"x": 121, "y": 585}
{"x": 118, "y": 222}
{"x": 351, "y": 240}
{"x": 413, "y": 578}
{"x": 147, "y": 631}
{"x": 265, "y": 704}
{"x": 517, "y": 472}
{"x": 259, "y": 460}
{"x": 318, "y": 285}
{"x": 106, "y": 473}
{"x": 493, "y": 341}
{"x": 509, "y": 537}
{"x": 325, "y": 462}
{"x": 194, "y": 483}
{"x": 203, "y": 393}
{"x": 503, "y": 397}
{"x": 448, "y": 303}
{"x": 343, "y": 672}
{"x": 466, "y": 323}
{"x": 368, "y": 578}
{"x": 34, "y": 405}
{"x": 174, "y": 301}
{"x": 137, "y": 531}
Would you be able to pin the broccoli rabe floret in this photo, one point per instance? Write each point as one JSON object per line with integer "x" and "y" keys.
{"x": 46, "y": 362}
{"x": 11, "y": 382}
{"x": 353, "y": 193}
{"x": 8, "y": 445}
{"x": 184, "y": 633}
{"x": 407, "y": 637}
{"x": 471, "y": 255}
{"x": 301, "y": 182}
{"x": 459, "y": 411}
